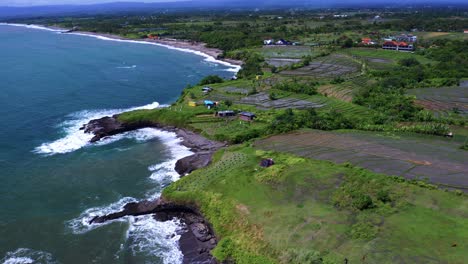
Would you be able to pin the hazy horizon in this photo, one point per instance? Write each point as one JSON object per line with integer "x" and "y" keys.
{"x": 31, "y": 3}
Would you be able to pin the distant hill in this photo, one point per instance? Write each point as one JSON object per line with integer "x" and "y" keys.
{"x": 116, "y": 7}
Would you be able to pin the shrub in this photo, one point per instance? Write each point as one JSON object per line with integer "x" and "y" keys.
{"x": 309, "y": 88}
{"x": 409, "y": 62}
{"x": 363, "y": 231}
{"x": 362, "y": 201}
{"x": 210, "y": 79}
{"x": 228, "y": 103}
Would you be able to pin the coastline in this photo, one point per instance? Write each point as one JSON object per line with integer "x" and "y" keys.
{"x": 191, "y": 245}
{"x": 198, "y": 237}
{"x": 197, "y": 48}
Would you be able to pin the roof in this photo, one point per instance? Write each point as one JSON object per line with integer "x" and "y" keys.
{"x": 390, "y": 43}
{"x": 226, "y": 112}
{"x": 249, "y": 114}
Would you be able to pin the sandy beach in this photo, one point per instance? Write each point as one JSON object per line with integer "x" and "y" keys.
{"x": 175, "y": 43}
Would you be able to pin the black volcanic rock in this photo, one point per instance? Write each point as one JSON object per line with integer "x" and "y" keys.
{"x": 193, "y": 162}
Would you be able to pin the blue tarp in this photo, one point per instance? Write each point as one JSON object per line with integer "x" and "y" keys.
{"x": 208, "y": 102}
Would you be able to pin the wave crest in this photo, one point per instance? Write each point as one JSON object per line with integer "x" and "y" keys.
{"x": 75, "y": 138}
{"x": 28, "y": 256}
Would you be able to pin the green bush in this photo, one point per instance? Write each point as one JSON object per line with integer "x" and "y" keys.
{"x": 211, "y": 79}
{"x": 294, "y": 86}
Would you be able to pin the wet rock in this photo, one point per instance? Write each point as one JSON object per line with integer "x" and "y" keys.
{"x": 196, "y": 161}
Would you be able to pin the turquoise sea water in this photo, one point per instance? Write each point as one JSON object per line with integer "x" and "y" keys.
{"x": 52, "y": 180}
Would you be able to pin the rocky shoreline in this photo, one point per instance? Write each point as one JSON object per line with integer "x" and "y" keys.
{"x": 198, "y": 238}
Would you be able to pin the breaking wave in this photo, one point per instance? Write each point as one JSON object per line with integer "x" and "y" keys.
{"x": 145, "y": 236}
{"x": 31, "y": 26}
{"x": 75, "y": 138}
{"x": 208, "y": 58}
{"x": 28, "y": 256}
{"x": 149, "y": 237}
{"x": 127, "y": 67}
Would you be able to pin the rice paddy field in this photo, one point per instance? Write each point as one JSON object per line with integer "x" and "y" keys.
{"x": 436, "y": 159}
{"x": 382, "y": 57}
{"x": 442, "y": 35}
{"x": 443, "y": 101}
{"x": 346, "y": 90}
{"x": 329, "y": 67}
{"x": 298, "y": 211}
{"x": 292, "y": 52}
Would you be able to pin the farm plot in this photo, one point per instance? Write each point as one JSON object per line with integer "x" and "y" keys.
{"x": 443, "y": 100}
{"x": 280, "y": 62}
{"x": 262, "y": 101}
{"x": 236, "y": 90}
{"x": 291, "y": 52}
{"x": 345, "y": 91}
{"x": 384, "y": 55}
{"x": 436, "y": 159}
{"x": 332, "y": 66}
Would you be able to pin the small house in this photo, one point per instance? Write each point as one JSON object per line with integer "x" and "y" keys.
{"x": 247, "y": 116}
{"x": 367, "y": 41}
{"x": 265, "y": 163}
{"x": 268, "y": 42}
{"x": 465, "y": 31}
{"x": 227, "y": 113}
{"x": 283, "y": 42}
{"x": 209, "y": 104}
{"x": 192, "y": 103}
{"x": 393, "y": 45}
{"x": 207, "y": 89}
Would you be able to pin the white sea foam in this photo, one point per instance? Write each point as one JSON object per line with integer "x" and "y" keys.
{"x": 28, "y": 256}
{"x": 127, "y": 67}
{"x": 145, "y": 236}
{"x": 165, "y": 170}
{"x": 80, "y": 225}
{"x": 75, "y": 138}
{"x": 31, "y": 26}
{"x": 148, "y": 237}
{"x": 208, "y": 58}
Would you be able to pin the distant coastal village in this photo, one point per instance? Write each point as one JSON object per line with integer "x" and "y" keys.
{"x": 402, "y": 42}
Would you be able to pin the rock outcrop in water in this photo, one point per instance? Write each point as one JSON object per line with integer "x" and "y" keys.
{"x": 198, "y": 239}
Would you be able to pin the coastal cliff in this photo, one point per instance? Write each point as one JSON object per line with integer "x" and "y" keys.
{"x": 198, "y": 238}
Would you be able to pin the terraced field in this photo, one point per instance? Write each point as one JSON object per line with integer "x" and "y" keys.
{"x": 292, "y": 52}
{"x": 443, "y": 100}
{"x": 262, "y": 101}
{"x": 280, "y": 62}
{"x": 301, "y": 101}
{"x": 336, "y": 65}
{"x": 380, "y": 56}
{"x": 346, "y": 90}
{"x": 436, "y": 159}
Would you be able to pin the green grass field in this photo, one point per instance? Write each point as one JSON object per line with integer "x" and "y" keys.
{"x": 390, "y": 55}
{"x": 302, "y": 210}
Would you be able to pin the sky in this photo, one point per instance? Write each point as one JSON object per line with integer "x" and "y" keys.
{"x": 67, "y": 2}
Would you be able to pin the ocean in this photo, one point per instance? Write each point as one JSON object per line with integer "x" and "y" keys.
{"x": 52, "y": 180}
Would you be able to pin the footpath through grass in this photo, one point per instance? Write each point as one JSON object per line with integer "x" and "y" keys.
{"x": 307, "y": 211}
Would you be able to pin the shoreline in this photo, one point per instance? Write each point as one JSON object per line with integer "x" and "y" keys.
{"x": 197, "y": 48}
{"x": 198, "y": 238}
